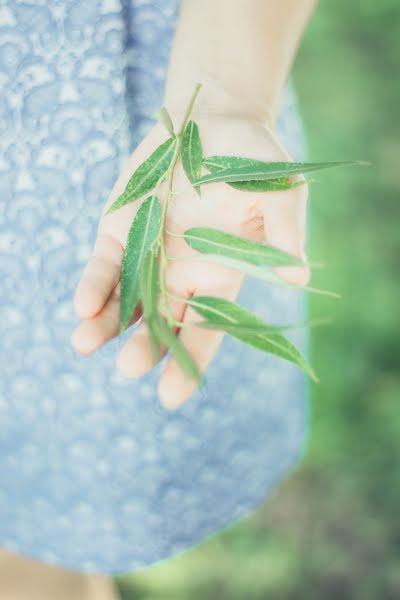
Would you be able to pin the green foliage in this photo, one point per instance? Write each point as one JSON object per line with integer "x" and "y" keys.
{"x": 266, "y": 274}
{"x": 173, "y": 342}
{"x": 259, "y": 170}
{"x": 143, "y": 232}
{"x": 191, "y": 153}
{"x": 142, "y": 278}
{"x": 250, "y": 329}
{"x": 147, "y": 175}
{"x": 165, "y": 118}
{"x": 149, "y": 284}
{"x": 219, "y": 163}
{"x": 149, "y": 293}
{"x": 212, "y": 241}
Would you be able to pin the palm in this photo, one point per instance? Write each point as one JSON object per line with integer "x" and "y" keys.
{"x": 277, "y": 217}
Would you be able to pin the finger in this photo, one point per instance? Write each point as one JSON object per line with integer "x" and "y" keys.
{"x": 100, "y": 276}
{"x": 136, "y": 356}
{"x": 284, "y": 215}
{"x": 93, "y": 333}
{"x": 175, "y": 387}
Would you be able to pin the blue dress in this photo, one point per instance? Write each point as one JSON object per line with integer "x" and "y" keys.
{"x": 94, "y": 474}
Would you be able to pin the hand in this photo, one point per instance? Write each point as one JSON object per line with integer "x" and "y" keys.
{"x": 279, "y": 218}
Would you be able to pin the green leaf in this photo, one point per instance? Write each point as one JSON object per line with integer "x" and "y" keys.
{"x": 241, "y": 329}
{"x": 191, "y": 153}
{"x": 149, "y": 284}
{"x": 172, "y": 341}
{"x": 154, "y": 341}
{"x": 164, "y": 117}
{"x": 147, "y": 174}
{"x": 212, "y": 241}
{"x": 266, "y": 170}
{"x": 266, "y": 328}
{"x": 218, "y": 163}
{"x": 272, "y": 185}
{"x": 142, "y": 234}
{"x": 231, "y": 318}
{"x": 252, "y": 270}
{"x": 149, "y": 289}
{"x": 258, "y": 272}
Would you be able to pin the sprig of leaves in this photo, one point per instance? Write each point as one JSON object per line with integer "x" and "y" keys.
{"x": 145, "y": 259}
{"x": 247, "y": 327}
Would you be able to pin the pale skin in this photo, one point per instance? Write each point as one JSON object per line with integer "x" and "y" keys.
{"x": 241, "y": 52}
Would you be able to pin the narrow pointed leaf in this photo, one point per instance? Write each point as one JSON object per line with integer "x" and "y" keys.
{"x": 149, "y": 290}
{"x": 147, "y": 174}
{"x": 154, "y": 340}
{"x": 142, "y": 234}
{"x": 164, "y": 117}
{"x": 242, "y": 329}
{"x": 212, "y": 241}
{"x": 172, "y": 341}
{"x": 263, "y": 273}
{"x": 266, "y": 170}
{"x": 191, "y": 152}
{"x": 218, "y": 163}
{"x": 149, "y": 284}
{"x": 266, "y": 328}
{"x": 230, "y": 316}
{"x": 258, "y": 272}
{"x": 268, "y": 185}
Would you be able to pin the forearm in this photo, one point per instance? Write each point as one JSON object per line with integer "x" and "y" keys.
{"x": 241, "y": 51}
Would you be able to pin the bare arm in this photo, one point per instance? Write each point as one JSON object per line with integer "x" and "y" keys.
{"x": 240, "y": 50}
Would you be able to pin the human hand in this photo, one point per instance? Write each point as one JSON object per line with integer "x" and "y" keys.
{"x": 275, "y": 217}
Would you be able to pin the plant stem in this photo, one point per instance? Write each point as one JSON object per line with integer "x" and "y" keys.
{"x": 177, "y": 298}
{"x": 170, "y": 173}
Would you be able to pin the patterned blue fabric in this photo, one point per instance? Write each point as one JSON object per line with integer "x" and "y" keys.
{"x": 94, "y": 474}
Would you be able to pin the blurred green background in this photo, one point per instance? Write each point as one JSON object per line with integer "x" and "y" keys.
{"x": 332, "y": 529}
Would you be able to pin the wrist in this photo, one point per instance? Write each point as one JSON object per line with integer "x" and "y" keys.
{"x": 241, "y": 54}
{"x": 215, "y": 99}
